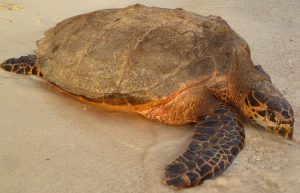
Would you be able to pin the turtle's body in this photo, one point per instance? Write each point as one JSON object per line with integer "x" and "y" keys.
{"x": 141, "y": 55}
{"x": 171, "y": 66}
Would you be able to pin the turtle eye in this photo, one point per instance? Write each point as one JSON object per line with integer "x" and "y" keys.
{"x": 272, "y": 116}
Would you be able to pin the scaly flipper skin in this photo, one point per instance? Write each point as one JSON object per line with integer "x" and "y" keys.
{"x": 25, "y": 65}
{"x": 216, "y": 142}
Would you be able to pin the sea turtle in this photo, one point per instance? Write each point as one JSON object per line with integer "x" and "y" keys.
{"x": 171, "y": 66}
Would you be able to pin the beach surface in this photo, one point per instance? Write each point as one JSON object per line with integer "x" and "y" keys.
{"x": 52, "y": 142}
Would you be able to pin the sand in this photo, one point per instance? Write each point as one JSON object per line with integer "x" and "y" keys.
{"x": 51, "y": 142}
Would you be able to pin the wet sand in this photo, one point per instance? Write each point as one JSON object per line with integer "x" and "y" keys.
{"x": 51, "y": 142}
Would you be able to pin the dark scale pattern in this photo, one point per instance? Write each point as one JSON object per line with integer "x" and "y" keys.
{"x": 217, "y": 141}
{"x": 273, "y": 110}
{"x": 25, "y": 65}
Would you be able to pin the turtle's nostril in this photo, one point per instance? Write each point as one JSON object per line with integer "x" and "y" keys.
{"x": 282, "y": 131}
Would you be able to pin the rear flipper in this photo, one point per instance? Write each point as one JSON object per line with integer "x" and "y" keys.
{"x": 216, "y": 142}
{"x": 25, "y": 65}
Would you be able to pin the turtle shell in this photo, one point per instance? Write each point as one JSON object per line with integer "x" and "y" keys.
{"x": 136, "y": 54}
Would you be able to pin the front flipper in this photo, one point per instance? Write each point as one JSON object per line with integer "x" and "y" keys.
{"x": 216, "y": 142}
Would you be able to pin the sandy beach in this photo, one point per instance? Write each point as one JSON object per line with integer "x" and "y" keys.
{"x": 51, "y": 142}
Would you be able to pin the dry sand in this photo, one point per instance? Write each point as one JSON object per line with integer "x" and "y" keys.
{"x": 50, "y": 142}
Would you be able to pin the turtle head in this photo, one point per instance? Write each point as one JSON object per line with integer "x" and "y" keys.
{"x": 266, "y": 106}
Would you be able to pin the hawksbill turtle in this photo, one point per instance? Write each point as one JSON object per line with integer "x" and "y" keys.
{"x": 171, "y": 66}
